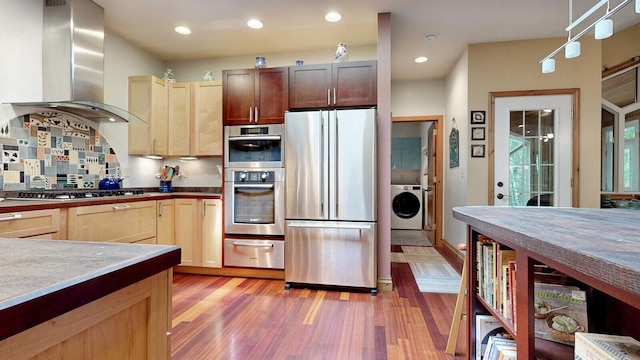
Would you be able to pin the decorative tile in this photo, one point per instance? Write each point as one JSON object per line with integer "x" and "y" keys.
{"x": 40, "y": 150}
{"x": 32, "y": 167}
{"x": 10, "y": 156}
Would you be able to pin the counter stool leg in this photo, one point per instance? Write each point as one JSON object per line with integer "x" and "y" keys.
{"x": 457, "y": 314}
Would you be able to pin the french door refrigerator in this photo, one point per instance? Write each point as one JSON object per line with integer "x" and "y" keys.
{"x": 330, "y": 195}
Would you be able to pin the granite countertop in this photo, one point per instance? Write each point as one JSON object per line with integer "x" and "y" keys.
{"x": 602, "y": 244}
{"x": 26, "y": 205}
{"x": 42, "y": 279}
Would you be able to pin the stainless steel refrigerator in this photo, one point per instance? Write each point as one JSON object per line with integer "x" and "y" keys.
{"x": 330, "y": 198}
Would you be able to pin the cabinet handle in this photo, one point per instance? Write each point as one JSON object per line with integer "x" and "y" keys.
{"x": 334, "y": 96}
{"x": 328, "y": 96}
{"x": 153, "y": 147}
{"x": 12, "y": 217}
{"x": 159, "y": 208}
{"x": 116, "y": 208}
{"x": 250, "y": 114}
{"x": 204, "y": 209}
{"x": 256, "y": 111}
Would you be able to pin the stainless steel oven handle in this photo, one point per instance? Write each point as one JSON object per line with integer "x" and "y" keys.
{"x": 255, "y": 186}
{"x": 250, "y": 137}
{"x": 324, "y": 226}
{"x": 239, "y": 243}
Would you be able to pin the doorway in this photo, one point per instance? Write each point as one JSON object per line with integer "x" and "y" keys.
{"x": 429, "y": 171}
{"x": 533, "y": 148}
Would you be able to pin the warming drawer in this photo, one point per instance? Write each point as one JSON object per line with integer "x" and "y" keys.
{"x": 267, "y": 254}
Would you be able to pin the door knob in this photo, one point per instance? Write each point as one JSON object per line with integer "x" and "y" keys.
{"x": 500, "y": 184}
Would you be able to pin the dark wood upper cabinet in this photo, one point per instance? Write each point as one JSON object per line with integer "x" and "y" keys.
{"x": 255, "y": 96}
{"x": 341, "y": 85}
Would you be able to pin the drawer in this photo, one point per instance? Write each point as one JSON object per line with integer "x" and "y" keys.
{"x": 267, "y": 254}
{"x": 29, "y": 223}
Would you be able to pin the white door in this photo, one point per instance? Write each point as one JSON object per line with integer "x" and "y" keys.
{"x": 533, "y": 150}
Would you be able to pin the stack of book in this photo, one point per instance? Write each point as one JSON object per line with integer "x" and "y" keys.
{"x": 500, "y": 349}
{"x": 606, "y": 347}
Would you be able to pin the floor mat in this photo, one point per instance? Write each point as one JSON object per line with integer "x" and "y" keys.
{"x": 410, "y": 237}
{"x": 431, "y": 271}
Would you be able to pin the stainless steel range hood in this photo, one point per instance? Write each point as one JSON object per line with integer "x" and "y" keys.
{"x": 73, "y": 63}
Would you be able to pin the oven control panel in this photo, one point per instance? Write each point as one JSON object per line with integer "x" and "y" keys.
{"x": 254, "y": 176}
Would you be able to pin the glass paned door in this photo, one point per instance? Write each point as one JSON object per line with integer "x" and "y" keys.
{"x": 533, "y": 146}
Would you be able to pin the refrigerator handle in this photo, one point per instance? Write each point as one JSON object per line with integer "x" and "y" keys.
{"x": 323, "y": 165}
{"x": 336, "y": 175}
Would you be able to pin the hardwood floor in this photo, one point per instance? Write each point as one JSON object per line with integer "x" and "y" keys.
{"x": 236, "y": 318}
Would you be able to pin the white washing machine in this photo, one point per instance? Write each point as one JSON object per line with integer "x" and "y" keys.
{"x": 406, "y": 207}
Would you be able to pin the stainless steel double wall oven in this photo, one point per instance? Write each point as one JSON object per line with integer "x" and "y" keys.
{"x": 254, "y": 196}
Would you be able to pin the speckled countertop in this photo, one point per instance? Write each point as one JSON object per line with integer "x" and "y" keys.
{"x": 42, "y": 279}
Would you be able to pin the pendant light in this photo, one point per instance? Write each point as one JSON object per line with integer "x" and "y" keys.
{"x": 604, "y": 29}
{"x": 572, "y": 50}
{"x": 548, "y": 66}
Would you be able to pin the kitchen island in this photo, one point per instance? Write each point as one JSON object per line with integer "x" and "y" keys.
{"x": 597, "y": 250}
{"x": 91, "y": 300}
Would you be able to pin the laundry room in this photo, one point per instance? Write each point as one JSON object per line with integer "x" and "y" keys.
{"x": 409, "y": 174}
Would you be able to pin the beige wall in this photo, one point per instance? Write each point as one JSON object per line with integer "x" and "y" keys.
{"x": 508, "y": 66}
{"x": 621, "y": 47}
{"x": 193, "y": 70}
{"x": 457, "y": 181}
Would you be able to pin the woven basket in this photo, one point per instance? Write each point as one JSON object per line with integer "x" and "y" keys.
{"x": 560, "y": 334}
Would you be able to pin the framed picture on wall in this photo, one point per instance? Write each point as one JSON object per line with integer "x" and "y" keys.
{"x": 477, "y": 117}
{"x": 477, "y": 151}
{"x": 477, "y": 133}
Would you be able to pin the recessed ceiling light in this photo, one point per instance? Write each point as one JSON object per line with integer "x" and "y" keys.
{"x": 421, "y": 59}
{"x": 333, "y": 17}
{"x": 254, "y": 24}
{"x": 182, "y": 30}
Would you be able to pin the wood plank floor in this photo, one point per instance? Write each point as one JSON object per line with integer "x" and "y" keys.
{"x": 236, "y": 318}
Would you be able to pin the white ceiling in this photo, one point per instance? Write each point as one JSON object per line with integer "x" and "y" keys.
{"x": 219, "y": 27}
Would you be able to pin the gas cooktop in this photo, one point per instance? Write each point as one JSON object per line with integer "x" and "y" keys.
{"x": 72, "y": 194}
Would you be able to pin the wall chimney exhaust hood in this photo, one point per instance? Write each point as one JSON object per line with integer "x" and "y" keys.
{"x": 73, "y": 63}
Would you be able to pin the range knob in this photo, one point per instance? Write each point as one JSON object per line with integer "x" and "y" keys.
{"x": 264, "y": 176}
{"x": 243, "y": 176}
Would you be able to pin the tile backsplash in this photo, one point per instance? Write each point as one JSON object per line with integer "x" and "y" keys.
{"x": 53, "y": 151}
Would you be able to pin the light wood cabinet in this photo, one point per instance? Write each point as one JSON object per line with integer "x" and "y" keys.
{"x": 165, "y": 222}
{"x": 44, "y": 224}
{"x": 206, "y": 118}
{"x": 131, "y": 323}
{"x": 179, "y": 99}
{"x": 255, "y": 96}
{"x": 211, "y": 232}
{"x": 198, "y": 231}
{"x": 120, "y": 222}
{"x": 186, "y": 231}
{"x": 180, "y": 118}
{"x": 343, "y": 85}
{"x": 148, "y": 101}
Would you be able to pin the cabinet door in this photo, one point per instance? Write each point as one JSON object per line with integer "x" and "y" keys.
{"x": 309, "y": 86}
{"x": 206, "y": 135}
{"x": 119, "y": 222}
{"x": 148, "y": 101}
{"x": 187, "y": 236}
{"x": 165, "y": 221}
{"x": 179, "y": 118}
{"x": 355, "y": 84}
{"x": 271, "y": 95}
{"x": 212, "y": 233}
{"x": 237, "y": 96}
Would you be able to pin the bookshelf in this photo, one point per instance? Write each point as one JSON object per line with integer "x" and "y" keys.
{"x": 599, "y": 248}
